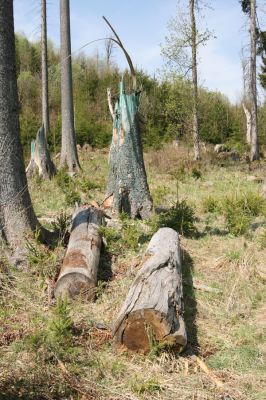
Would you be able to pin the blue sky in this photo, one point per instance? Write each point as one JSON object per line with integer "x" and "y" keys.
{"x": 142, "y": 26}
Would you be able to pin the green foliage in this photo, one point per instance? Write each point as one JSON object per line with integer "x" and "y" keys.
{"x": 239, "y": 209}
{"x": 211, "y": 204}
{"x": 140, "y": 386}
{"x": 181, "y": 217}
{"x": 68, "y": 187}
{"x": 196, "y": 173}
{"x": 62, "y": 225}
{"x": 61, "y": 325}
{"x": 165, "y": 106}
{"x": 241, "y": 358}
{"x": 124, "y": 237}
{"x": 130, "y": 235}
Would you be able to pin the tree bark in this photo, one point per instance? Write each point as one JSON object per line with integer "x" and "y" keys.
{"x": 40, "y": 157}
{"x": 69, "y": 154}
{"x": 127, "y": 187}
{"x": 15, "y": 203}
{"x": 154, "y": 305}
{"x": 248, "y": 124}
{"x": 45, "y": 97}
{"x": 195, "y": 123}
{"x": 78, "y": 274}
{"x": 254, "y": 151}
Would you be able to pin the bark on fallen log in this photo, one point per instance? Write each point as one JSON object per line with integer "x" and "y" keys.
{"x": 154, "y": 305}
{"x": 78, "y": 273}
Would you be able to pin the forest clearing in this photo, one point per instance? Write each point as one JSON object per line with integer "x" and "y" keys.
{"x": 50, "y": 351}
{"x": 132, "y": 217}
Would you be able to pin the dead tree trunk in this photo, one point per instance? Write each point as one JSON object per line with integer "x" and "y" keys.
{"x": 127, "y": 187}
{"x": 254, "y": 151}
{"x": 195, "y": 122}
{"x": 45, "y": 99}
{"x": 153, "y": 307}
{"x": 40, "y": 157}
{"x": 78, "y": 273}
{"x": 248, "y": 124}
{"x": 69, "y": 154}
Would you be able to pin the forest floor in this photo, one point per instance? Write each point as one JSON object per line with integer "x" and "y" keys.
{"x": 65, "y": 350}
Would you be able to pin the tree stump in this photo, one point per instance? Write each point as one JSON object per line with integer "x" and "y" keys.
{"x": 127, "y": 187}
{"x": 40, "y": 157}
{"x": 153, "y": 307}
{"x": 78, "y": 274}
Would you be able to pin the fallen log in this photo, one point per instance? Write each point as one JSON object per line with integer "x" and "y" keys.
{"x": 78, "y": 274}
{"x": 153, "y": 308}
{"x": 40, "y": 161}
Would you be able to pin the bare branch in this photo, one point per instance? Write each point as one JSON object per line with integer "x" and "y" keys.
{"x": 118, "y": 41}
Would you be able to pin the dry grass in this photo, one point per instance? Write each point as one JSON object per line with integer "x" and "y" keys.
{"x": 226, "y": 329}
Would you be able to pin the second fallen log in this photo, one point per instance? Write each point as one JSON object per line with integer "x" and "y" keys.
{"x": 78, "y": 274}
{"x": 153, "y": 307}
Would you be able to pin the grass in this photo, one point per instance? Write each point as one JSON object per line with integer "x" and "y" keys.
{"x": 50, "y": 351}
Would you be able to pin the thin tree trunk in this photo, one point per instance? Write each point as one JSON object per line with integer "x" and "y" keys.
{"x": 248, "y": 124}
{"x": 254, "y": 154}
{"x": 195, "y": 127}
{"x": 69, "y": 154}
{"x": 45, "y": 98}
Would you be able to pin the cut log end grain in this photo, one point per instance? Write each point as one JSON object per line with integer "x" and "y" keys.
{"x": 152, "y": 310}
{"x": 141, "y": 328}
{"x": 74, "y": 284}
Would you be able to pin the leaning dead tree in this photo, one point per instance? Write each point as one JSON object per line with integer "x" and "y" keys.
{"x": 153, "y": 309}
{"x": 127, "y": 187}
{"x": 78, "y": 274}
{"x": 40, "y": 161}
{"x": 69, "y": 154}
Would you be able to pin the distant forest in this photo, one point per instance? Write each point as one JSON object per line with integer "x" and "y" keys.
{"x": 165, "y": 103}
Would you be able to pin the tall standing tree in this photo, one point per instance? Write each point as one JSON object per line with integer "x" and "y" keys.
{"x": 18, "y": 217}
{"x": 40, "y": 156}
{"x": 246, "y": 95}
{"x": 195, "y": 123}
{"x": 249, "y": 7}
{"x": 254, "y": 151}
{"x": 69, "y": 154}
{"x": 180, "y": 51}
{"x": 45, "y": 97}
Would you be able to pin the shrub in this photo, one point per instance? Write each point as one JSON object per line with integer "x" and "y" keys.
{"x": 61, "y": 325}
{"x": 68, "y": 187}
{"x": 180, "y": 217}
{"x": 239, "y": 210}
{"x": 211, "y": 204}
{"x": 62, "y": 225}
{"x": 196, "y": 173}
